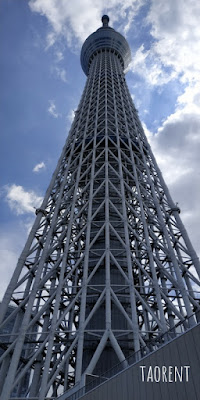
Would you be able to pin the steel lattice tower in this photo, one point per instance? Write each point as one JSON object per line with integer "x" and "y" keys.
{"x": 108, "y": 266}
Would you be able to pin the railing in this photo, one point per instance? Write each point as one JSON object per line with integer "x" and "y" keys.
{"x": 153, "y": 345}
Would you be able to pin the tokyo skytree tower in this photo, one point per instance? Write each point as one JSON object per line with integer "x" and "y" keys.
{"x": 108, "y": 267}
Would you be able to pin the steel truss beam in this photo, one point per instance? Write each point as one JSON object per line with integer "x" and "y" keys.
{"x": 108, "y": 266}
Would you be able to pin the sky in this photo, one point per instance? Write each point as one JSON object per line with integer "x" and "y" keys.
{"x": 42, "y": 81}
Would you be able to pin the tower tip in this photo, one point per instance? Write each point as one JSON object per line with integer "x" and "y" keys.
{"x": 105, "y": 20}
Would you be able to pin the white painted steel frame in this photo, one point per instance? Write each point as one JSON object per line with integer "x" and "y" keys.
{"x": 108, "y": 266}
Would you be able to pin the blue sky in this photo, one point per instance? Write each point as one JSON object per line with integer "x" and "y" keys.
{"x": 41, "y": 85}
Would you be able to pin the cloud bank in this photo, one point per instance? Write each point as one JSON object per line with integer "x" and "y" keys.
{"x": 21, "y": 201}
{"x": 76, "y": 20}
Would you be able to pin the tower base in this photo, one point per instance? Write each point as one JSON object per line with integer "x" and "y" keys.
{"x": 171, "y": 372}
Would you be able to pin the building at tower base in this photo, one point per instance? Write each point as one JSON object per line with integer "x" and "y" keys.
{"x": 171, "y": 372}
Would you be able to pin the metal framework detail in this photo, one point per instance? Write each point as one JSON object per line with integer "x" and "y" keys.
{"x": 108, "y": 266}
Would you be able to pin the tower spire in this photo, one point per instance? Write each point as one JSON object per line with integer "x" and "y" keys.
{"x": 108, "y": 268}
{"x": 105, "y": 20}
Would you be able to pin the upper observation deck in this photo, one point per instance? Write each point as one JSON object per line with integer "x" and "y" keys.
{"x": 105, "y": 38}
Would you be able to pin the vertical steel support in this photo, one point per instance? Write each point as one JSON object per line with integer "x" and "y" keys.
{"x": 108, "y": 267}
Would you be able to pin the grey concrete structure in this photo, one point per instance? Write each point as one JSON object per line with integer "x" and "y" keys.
{"x": 108, "y": 267}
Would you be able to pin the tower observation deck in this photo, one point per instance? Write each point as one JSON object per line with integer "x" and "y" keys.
{"x": 105, "y": 38}
{"x": 108, "y": 268}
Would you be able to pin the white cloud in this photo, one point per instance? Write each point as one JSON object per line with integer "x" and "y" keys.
{"x": 176, "y": 146}
{"x": 10, "y": 245}
{"x": 39, "y": 166}
{"x": 78, "y": 19}
{"x": 51, "y": 39}
{"x": 59, "y": 56}
{"x": 13, "y": 236}
{"x": 175, "y": 26}
{"x": 176, "y": 38}
{"x": 71, "y": 116}
{"x": 21, "y": 201}
{"x": 61, "y": 74}
{"x": 69, "y": 20}
{"x": 52, "y": 109}
{"x": 150, "y": 67}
